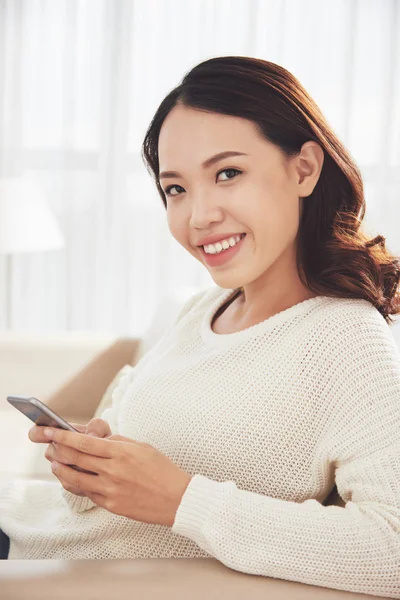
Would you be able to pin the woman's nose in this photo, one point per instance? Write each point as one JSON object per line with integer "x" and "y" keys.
{"x": 203, "y": 212}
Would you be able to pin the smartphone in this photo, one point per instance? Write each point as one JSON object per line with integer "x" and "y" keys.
{"x": 42, "y": 415}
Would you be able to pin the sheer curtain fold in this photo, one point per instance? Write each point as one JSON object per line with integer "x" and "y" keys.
{"x": 79, "y": 83}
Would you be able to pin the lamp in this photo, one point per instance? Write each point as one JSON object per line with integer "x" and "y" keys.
{"x": 26, "y": 225}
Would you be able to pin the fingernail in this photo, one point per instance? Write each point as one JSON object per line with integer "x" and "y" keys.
{"x": 48, "y": 432}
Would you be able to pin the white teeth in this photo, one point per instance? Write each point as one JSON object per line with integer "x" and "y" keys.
{"x": 223, "y": 245}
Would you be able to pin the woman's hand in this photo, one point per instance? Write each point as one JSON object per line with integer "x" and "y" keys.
{"x": 95, "y": 427}
{"x": 133, "y": 479}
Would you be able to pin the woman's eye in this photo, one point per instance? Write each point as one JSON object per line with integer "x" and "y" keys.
{"x": 227, "y": 171}
{"x": 169, "y": 188}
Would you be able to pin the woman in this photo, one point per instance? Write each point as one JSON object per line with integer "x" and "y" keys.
{"x": 271, "y": 387}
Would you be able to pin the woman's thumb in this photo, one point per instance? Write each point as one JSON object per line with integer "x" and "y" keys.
{"x": 98, "y": 428}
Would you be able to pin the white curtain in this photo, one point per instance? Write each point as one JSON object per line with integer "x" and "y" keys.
{"x": 79, "y": 83}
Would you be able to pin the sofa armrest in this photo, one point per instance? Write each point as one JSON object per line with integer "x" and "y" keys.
{"x": 78, "y": 399}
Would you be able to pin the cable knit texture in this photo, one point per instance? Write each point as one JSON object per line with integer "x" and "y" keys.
{"x": 267, "y": 420}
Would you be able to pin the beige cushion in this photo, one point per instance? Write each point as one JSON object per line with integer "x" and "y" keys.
{"x": 106, "y": 400}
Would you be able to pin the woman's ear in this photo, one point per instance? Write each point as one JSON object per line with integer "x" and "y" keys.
{"x": 309, "y": 165}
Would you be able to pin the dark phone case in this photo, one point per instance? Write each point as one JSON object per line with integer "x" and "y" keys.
{"x": 40, "y": 415}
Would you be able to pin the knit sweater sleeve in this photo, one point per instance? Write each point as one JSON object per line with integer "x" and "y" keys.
{"x": 354, "y": 548}
{"x": 110, "y": 414}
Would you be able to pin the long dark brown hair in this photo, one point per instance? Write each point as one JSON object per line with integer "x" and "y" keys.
{"x": 334, "y": 256}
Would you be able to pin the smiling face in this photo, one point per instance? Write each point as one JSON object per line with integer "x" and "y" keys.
{"x": 256, "y": 193}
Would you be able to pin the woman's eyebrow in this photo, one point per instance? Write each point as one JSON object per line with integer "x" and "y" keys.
{"x": 207, "y": 163}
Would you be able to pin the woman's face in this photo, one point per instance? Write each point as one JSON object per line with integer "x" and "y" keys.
{"x": 256, "y": 193}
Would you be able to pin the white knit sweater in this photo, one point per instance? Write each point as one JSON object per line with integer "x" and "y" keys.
{"x": 267, "y": 420}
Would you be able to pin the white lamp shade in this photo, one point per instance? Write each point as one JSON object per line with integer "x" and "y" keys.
{"x": 26, "y": 221}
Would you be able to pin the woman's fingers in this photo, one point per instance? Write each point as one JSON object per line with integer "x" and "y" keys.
{"x": 96, "y": 427}
{"x": 55, "y": 452}
{"x": 35, "y": 433}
